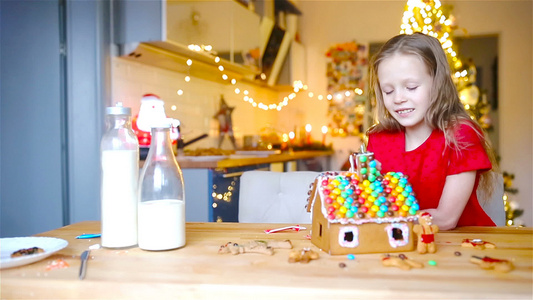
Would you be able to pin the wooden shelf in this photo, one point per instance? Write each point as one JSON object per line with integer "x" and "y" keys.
{"x": 172, "y": 56}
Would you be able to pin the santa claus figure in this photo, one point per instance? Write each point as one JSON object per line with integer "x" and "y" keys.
{"x": 151, "y": 112}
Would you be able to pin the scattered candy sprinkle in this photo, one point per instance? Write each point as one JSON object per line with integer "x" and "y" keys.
{"x": 432, "y": 263}
{"x": 457, "y": 253}
{"x": 402, "y": 256}
{"x": 351, "y": 256}
{"x": 57, "y": 264}
{"x": 342, "y": 265}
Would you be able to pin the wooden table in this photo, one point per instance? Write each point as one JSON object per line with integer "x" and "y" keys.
{"x": 198, "y": 271}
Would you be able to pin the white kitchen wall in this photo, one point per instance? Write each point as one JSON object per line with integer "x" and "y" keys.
{"x": 197, "y": 105}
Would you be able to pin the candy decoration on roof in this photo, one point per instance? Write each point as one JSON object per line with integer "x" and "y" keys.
{"x": 365, "y": 193}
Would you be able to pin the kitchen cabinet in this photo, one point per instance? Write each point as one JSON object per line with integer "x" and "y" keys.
{"x": 159, "y": 33}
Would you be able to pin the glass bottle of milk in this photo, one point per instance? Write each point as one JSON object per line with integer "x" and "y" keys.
{"x": 119, "y": 179}
{"x": 161, "y": 195}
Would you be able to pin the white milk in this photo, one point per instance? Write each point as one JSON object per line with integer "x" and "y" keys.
{"x": 161, "y": 224}
{"x": 120, "y": 175}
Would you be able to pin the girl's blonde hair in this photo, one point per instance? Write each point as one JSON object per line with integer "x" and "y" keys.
{"x": 445, "y": 111}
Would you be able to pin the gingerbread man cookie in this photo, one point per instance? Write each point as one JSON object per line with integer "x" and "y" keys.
{"x": 498, "y": 265}
{"x": 477, "y": 244}
{"x": 425, "y": 230}
{"x": 304, "y": 256}
{"x": 401, "y": 261}
{"x": 263, "y": 247}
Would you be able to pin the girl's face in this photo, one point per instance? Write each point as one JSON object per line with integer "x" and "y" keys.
{"x": 406, "y": 87}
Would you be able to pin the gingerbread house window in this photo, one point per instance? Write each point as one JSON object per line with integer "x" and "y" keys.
{"x": 349, "y": 236}
{"x": 398, "y": 234}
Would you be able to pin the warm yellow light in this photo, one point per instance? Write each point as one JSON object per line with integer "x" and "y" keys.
{"x": 308, "y": 127}
{"x": 324, "y": 129}
{"x": 187, "y": 78}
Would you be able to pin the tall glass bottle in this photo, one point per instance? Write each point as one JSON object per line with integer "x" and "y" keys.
{"x": 161, "y": 196}
{"x": 119, "y": 150}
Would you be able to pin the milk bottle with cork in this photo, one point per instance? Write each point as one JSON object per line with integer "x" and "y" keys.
{"x": 119, "y": 150}
{"x": 161, "y": 195}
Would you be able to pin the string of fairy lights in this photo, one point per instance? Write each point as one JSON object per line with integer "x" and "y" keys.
{"x": 298, "y": 86}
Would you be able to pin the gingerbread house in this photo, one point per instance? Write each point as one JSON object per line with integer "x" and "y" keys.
{"x": 361, "y": 210}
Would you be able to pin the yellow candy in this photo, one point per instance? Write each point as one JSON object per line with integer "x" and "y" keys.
{"x": 399, "y": 189}
{"x": 371, "y": 198}
{"x": 366, "y": 183}
{"x": 368, "y": 190}
{"x": 405, "y": 208}
{"x": 343, "y": 209}
{"x": 374, "y": 208}
{"x": 400, "y": 197}
{"x": 340, "y": 200}
{"x": 394, "y": 180}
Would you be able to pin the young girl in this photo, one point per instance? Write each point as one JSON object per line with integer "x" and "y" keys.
{"x": 425, "y": 132}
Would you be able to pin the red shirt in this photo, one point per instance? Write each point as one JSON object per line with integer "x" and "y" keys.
{"x": 428, "y": 166}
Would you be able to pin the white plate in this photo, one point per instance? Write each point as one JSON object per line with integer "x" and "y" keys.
{"x": 204, "y": 158}
{"x": 50, "y": 245}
